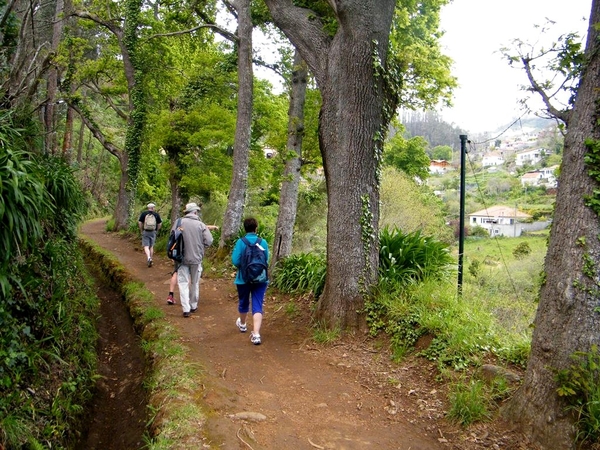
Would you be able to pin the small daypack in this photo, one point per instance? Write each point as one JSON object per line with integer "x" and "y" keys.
{"x": 150, "y": 222}
{"x": 175, "y": 243}
{"x": 253, "y": 266}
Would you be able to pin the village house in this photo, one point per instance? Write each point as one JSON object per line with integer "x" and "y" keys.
{"x": 531, "y": 157}
{"x": 499, "y": 220}
{"x": 542, "y": 177}
{"x": 492, "y": 159}
{"x": 439, "y": 166}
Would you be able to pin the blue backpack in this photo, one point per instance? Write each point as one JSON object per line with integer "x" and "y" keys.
{"x": 175, "y": 243}
{"x": 253, "y": 266}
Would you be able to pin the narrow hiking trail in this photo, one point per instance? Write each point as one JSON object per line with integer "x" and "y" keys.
{"x": 347, "y": 396}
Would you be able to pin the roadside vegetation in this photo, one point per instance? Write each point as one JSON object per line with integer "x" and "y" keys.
{"x": 47, "y": 312}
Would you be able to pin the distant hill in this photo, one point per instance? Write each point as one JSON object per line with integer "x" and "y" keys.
{"x": 537, "y": 123}
{"x": 432, "y": 127}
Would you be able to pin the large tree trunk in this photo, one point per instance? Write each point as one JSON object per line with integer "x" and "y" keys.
{"x": 123, "y": 199}
{"x": 237, "y": 191}
{"x": 130, "y": 156}
{"x": 288, "y": 198}
{"x": 175, "y": 198}
{"x": 52, "y": 82}
{"x": 351, "y": 126}
{"x": 567, "y": 320}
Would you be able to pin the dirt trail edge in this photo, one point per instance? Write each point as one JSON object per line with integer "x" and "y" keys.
{"x": 290, "y": 393}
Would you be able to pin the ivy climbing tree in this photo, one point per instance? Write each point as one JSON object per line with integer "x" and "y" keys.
{"x": 346, "y": 44}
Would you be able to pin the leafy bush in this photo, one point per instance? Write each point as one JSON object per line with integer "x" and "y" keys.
{"x": 478, "y": 231}
{"x": 403, "y": 258}
{"x": 411, "y": 256}
{"x": 522, "y": 250}
{"x": 301, "y": 273}
{"x": 580, "y": 386}
{"x": 47, "y": 344}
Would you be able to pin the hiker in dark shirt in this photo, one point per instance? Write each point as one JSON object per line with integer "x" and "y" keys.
{"x": 149, "y": 223}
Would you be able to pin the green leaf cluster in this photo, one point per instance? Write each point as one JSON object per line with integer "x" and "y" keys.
{"x": 408, "y": 155}
{"x": 579, "y": 384}
{"x": 405, "y": 257}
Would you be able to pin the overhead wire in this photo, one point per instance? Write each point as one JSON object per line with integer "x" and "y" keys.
{"x": 478, "y": 185}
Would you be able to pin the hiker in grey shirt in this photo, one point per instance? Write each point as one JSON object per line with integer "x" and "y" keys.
{"x": 196, "y": 238}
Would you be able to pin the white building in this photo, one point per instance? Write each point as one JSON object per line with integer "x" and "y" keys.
{"x": 439, "y": 166}
{"x": 499, "y": 220}
{"x": 492, "y": 159}
{"x": 542, "y": 177}
{"x": 529, "y": 156}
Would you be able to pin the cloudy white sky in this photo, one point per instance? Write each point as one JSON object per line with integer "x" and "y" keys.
{"x": 475, "y": 30}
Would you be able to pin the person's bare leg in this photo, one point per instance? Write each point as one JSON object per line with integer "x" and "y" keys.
{"x": 256, "y": 323}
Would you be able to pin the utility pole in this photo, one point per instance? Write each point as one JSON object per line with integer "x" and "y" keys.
{"x": 461, "y": 222}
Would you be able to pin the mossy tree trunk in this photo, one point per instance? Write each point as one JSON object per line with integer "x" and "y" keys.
{"x": 568, "y": 316}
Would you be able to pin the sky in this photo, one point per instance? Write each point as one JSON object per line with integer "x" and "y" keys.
{"x": 474, "y": 32}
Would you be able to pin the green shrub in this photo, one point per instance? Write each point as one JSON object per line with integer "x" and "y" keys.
{"x": 522, "y": 250}
{"x": 580, "y": 386}
{"x": 411, "y": 256}
{"x": 478, "y": 231}
{"x": 301, "y": 273}
{"x": 47, "y": 344}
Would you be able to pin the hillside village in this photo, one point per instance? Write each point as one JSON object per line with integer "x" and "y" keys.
{"x": 508, "y": 170}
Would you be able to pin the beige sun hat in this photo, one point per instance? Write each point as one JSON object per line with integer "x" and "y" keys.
{"x": 191, "y": 207}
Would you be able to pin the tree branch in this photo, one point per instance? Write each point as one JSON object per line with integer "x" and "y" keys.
{"x": 301, "y": 27}
{"x": 115, "y": 29}
{"x": 109, "y": 146}
{"x": 552, "y": 110}
{"x": 95, "y": 88}
{"x": 226, "y": 34}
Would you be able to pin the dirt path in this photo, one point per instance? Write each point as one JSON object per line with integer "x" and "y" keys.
{"x": 347, "y": 396}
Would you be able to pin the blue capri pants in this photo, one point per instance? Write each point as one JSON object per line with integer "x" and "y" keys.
{"x": 254, "y": 291}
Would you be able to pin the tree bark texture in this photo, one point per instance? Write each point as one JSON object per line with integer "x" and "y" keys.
{"x": 288, "y": 198}
{"x": 351, "y": 118}
{"x": 175, "y": 198}
{"x": 241, "y": 147}
{"x": 52, "y": 82}
{"x": 567, "y": 319}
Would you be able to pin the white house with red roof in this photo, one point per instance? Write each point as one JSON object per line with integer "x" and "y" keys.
{"x": 439, "y": 166}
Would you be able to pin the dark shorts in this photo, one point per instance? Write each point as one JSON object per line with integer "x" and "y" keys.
{"x": 254, "y": 291}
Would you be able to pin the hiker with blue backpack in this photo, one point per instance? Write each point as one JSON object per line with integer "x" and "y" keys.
{"x": 175, "y": 251}
{"x": 196, "y": 239}
{"x": 251, "y": 257}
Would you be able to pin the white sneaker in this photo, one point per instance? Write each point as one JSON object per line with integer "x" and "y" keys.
{"x": 241, "y": 326}
{"x": 255, "y": 338}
